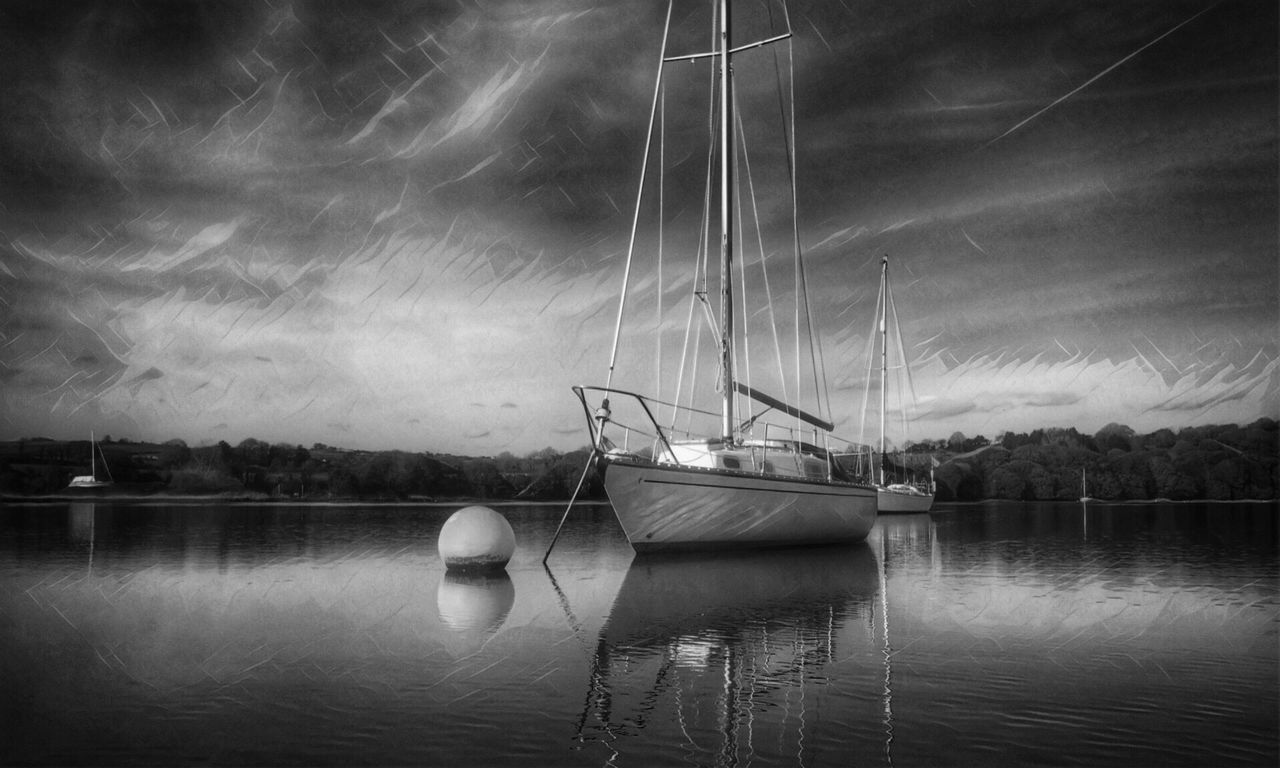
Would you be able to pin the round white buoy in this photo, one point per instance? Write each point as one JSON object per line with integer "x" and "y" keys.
{"x": 476, "y": 539}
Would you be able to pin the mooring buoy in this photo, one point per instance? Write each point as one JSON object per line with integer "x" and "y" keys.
{"x": 476, "y": 539}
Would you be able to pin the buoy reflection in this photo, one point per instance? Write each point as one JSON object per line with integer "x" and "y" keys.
{"x": 475, "y": 602}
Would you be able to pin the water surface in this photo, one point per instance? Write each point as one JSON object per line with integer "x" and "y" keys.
{"x": 1051, "y": 634}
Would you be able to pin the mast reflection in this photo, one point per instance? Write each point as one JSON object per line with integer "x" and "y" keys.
{"x": 732, "y": 648}
{"x": 81, "y": 519}
{"x": 903, "y": 541}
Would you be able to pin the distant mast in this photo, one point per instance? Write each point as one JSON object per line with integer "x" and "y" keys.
{"x": 726, "y": 224}
{"x": 884, "y": 352}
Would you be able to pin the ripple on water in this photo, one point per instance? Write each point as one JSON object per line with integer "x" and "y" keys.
{"x": 1009, "y": 636}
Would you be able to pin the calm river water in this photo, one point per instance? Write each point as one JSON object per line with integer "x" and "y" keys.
{"x": 1051, "y": 634}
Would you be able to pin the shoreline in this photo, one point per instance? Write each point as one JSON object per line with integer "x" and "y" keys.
{"x": 241, "y": 499}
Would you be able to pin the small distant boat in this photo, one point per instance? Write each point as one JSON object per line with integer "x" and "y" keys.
{"x": 901, "y": 497}
{"x": 894, "y": 497}
{"x": 91, "y": 480}
{"x": 1084, "y": 486}
{"x": 746, "y": 481}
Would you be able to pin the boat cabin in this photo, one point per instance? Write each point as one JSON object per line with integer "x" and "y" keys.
{"x": 769, "y": 457}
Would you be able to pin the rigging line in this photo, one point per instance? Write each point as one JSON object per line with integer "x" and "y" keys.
{"x": 701, "y": 268}
{"x": 788, "y": 136}
{"x": 708, "y": 314}
{"x": 684, "y": 357}
{"x": 786, "y": 20}
{"x": 791, "y": 176}
{"x": 657, "y": 401}
{"x": 904, "y": 363}
{"x": 697, "y": 297}
{"x": 764, "y": 269}
{"x": 741, "y": 274}
{"x": 901, "y": 370}
{"x": 742, "y": 268}
{"x": 635, "y": 221}
{"x": 662, "y": 179}
{"x": 802, "y": 283}
{"x": 1101, "y": 74}
{"x": 821, "y": 390}
{"x": 871, "y": 361}
{"x": 782, "y": 376}
{"x": 693, "y": 381}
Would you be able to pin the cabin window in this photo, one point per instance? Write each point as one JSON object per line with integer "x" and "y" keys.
{"x": 730, "y": 462}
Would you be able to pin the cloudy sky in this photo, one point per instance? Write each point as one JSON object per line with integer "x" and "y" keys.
{"x": 403, "y": 224}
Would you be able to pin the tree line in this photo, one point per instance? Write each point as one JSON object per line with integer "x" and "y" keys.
{"x": 1218, "y": 462}
{"x": 257, "y": 469}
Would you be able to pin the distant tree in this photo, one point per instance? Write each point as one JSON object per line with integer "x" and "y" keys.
{"x": 1103, "y": 484}
{"x": 956, "y": 442}
{"x": 507, "y": 462}
{"x": 252, "y": 451}
{"x": 1169, "y": 482}
{"x": 1012, "y": 440}
{"x": 277, "y": 455}
{"x": 1009, "y": 481}
{"x": 175, "y": 453}
{"x": 1161, "y": 439}
{"x": 1133, "y": 473}
{"x": 485, "y": 479}
{"x": 1115, "y": 436}
{"x": 1031, "y": 452}
{"x": 1224, "y": 480}
{"x": 343, "y": 483}
{"x": 1042, "y": 484}
{"x": 373, "y": 476}
{"x": 974, "y": 443}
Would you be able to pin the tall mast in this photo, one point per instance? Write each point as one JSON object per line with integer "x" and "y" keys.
{"x": 884, "y": 352}
{"x": 726, "y": 222}
{"x": 93, "y": 456}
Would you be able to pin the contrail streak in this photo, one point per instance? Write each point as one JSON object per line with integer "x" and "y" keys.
{"x": 1099, "y": 76}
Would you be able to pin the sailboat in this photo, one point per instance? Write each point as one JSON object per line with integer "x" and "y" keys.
{"x": 91, "y": 480}
{"x": 753, "y": 479}
{"x": 894, "y": 497}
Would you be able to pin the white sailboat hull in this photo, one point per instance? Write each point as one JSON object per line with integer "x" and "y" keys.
{"x": 892, "y": 500}
{"x": 664, "y": 506}
{"x": 87, "y": 481}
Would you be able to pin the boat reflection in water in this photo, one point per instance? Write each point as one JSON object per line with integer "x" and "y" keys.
{"x": 80, "y": 523}
{"x": 722, "y": 658}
